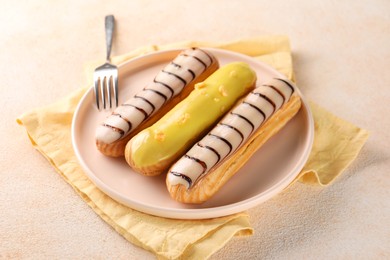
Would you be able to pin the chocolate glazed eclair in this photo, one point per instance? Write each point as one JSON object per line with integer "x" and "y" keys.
{"x": 169, "y": 87}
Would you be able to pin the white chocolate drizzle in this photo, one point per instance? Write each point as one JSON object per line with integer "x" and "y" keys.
{"x": 168, "y": 83}
{"x": 231, "y": 132}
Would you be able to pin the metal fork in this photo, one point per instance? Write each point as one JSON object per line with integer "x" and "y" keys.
{"x": 106, "y": 76}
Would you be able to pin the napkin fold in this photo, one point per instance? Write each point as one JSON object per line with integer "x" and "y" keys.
{"x": 336, "y": 145}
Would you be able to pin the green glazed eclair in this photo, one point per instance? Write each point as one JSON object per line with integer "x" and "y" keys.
{"x": 153, "y": 150}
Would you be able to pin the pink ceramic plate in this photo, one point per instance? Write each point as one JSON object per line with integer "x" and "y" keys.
{"x": 268, "y": 172}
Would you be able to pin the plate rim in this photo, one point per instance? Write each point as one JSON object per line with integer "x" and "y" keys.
{"x": 200, "y": 213}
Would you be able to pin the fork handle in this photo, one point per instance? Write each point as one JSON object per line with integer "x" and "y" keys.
{"x": 109, "y": 25}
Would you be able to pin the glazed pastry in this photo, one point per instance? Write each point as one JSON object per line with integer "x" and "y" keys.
{"x": 212, "y": 161}
{"x": 169, "y": 87}
{"x": 154, "y": 149}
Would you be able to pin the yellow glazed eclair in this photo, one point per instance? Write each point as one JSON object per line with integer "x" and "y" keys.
{"x": 153, "y": 150}
{"x": 171, "y": 85}
{"x": 213, "y": 160}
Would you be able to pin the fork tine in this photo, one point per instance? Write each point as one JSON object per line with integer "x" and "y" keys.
{"x": 103, "y": 84}
{"x": 116, "y": 95}
{"x": 96, "y": 91}
{"x": 108, "y": 89}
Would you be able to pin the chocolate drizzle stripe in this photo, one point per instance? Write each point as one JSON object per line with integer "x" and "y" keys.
{"x": 147, "y": 101}
{"x": 165, "y": 85}
{"x": 158, "y": 93}
{"x": 266, "y": 98}
{"x": 255, "y": 107}
{"x": 288, "y": 84}
{"x": 176, "y": 76}
{"x": 246, "y": 120}
{"x": 202, "y": 163}
{"x": 223, "y": 140}
{"x": 235, "y": 129}
{"x": 208, "y": 55}
{"x": 115, "y": 129}
{"x": 183, "y": 176}
{"x": 278, "y": 91}
{"x": 175, "y": 64}
{"x": 192, "y": 73}
{"x": 125, "y": 119}
{"x": 196, "y": 58}
{"x": 138, "y": 108}
{"x": 211, "y": 149}
{"x": 189, "y": 70}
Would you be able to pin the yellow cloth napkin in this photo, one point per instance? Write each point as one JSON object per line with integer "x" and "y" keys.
{"x": 336, "y": 144}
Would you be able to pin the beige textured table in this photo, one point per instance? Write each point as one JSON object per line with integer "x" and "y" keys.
{"x": 341, "y": 56}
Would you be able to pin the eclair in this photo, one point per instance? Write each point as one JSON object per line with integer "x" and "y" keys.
{"x": 214, "y": 159}
{"x": 153, "y": 150}
{"x": 171, "y": 85}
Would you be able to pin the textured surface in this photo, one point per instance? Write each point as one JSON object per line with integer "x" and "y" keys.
{"x": 340, "y": 62}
